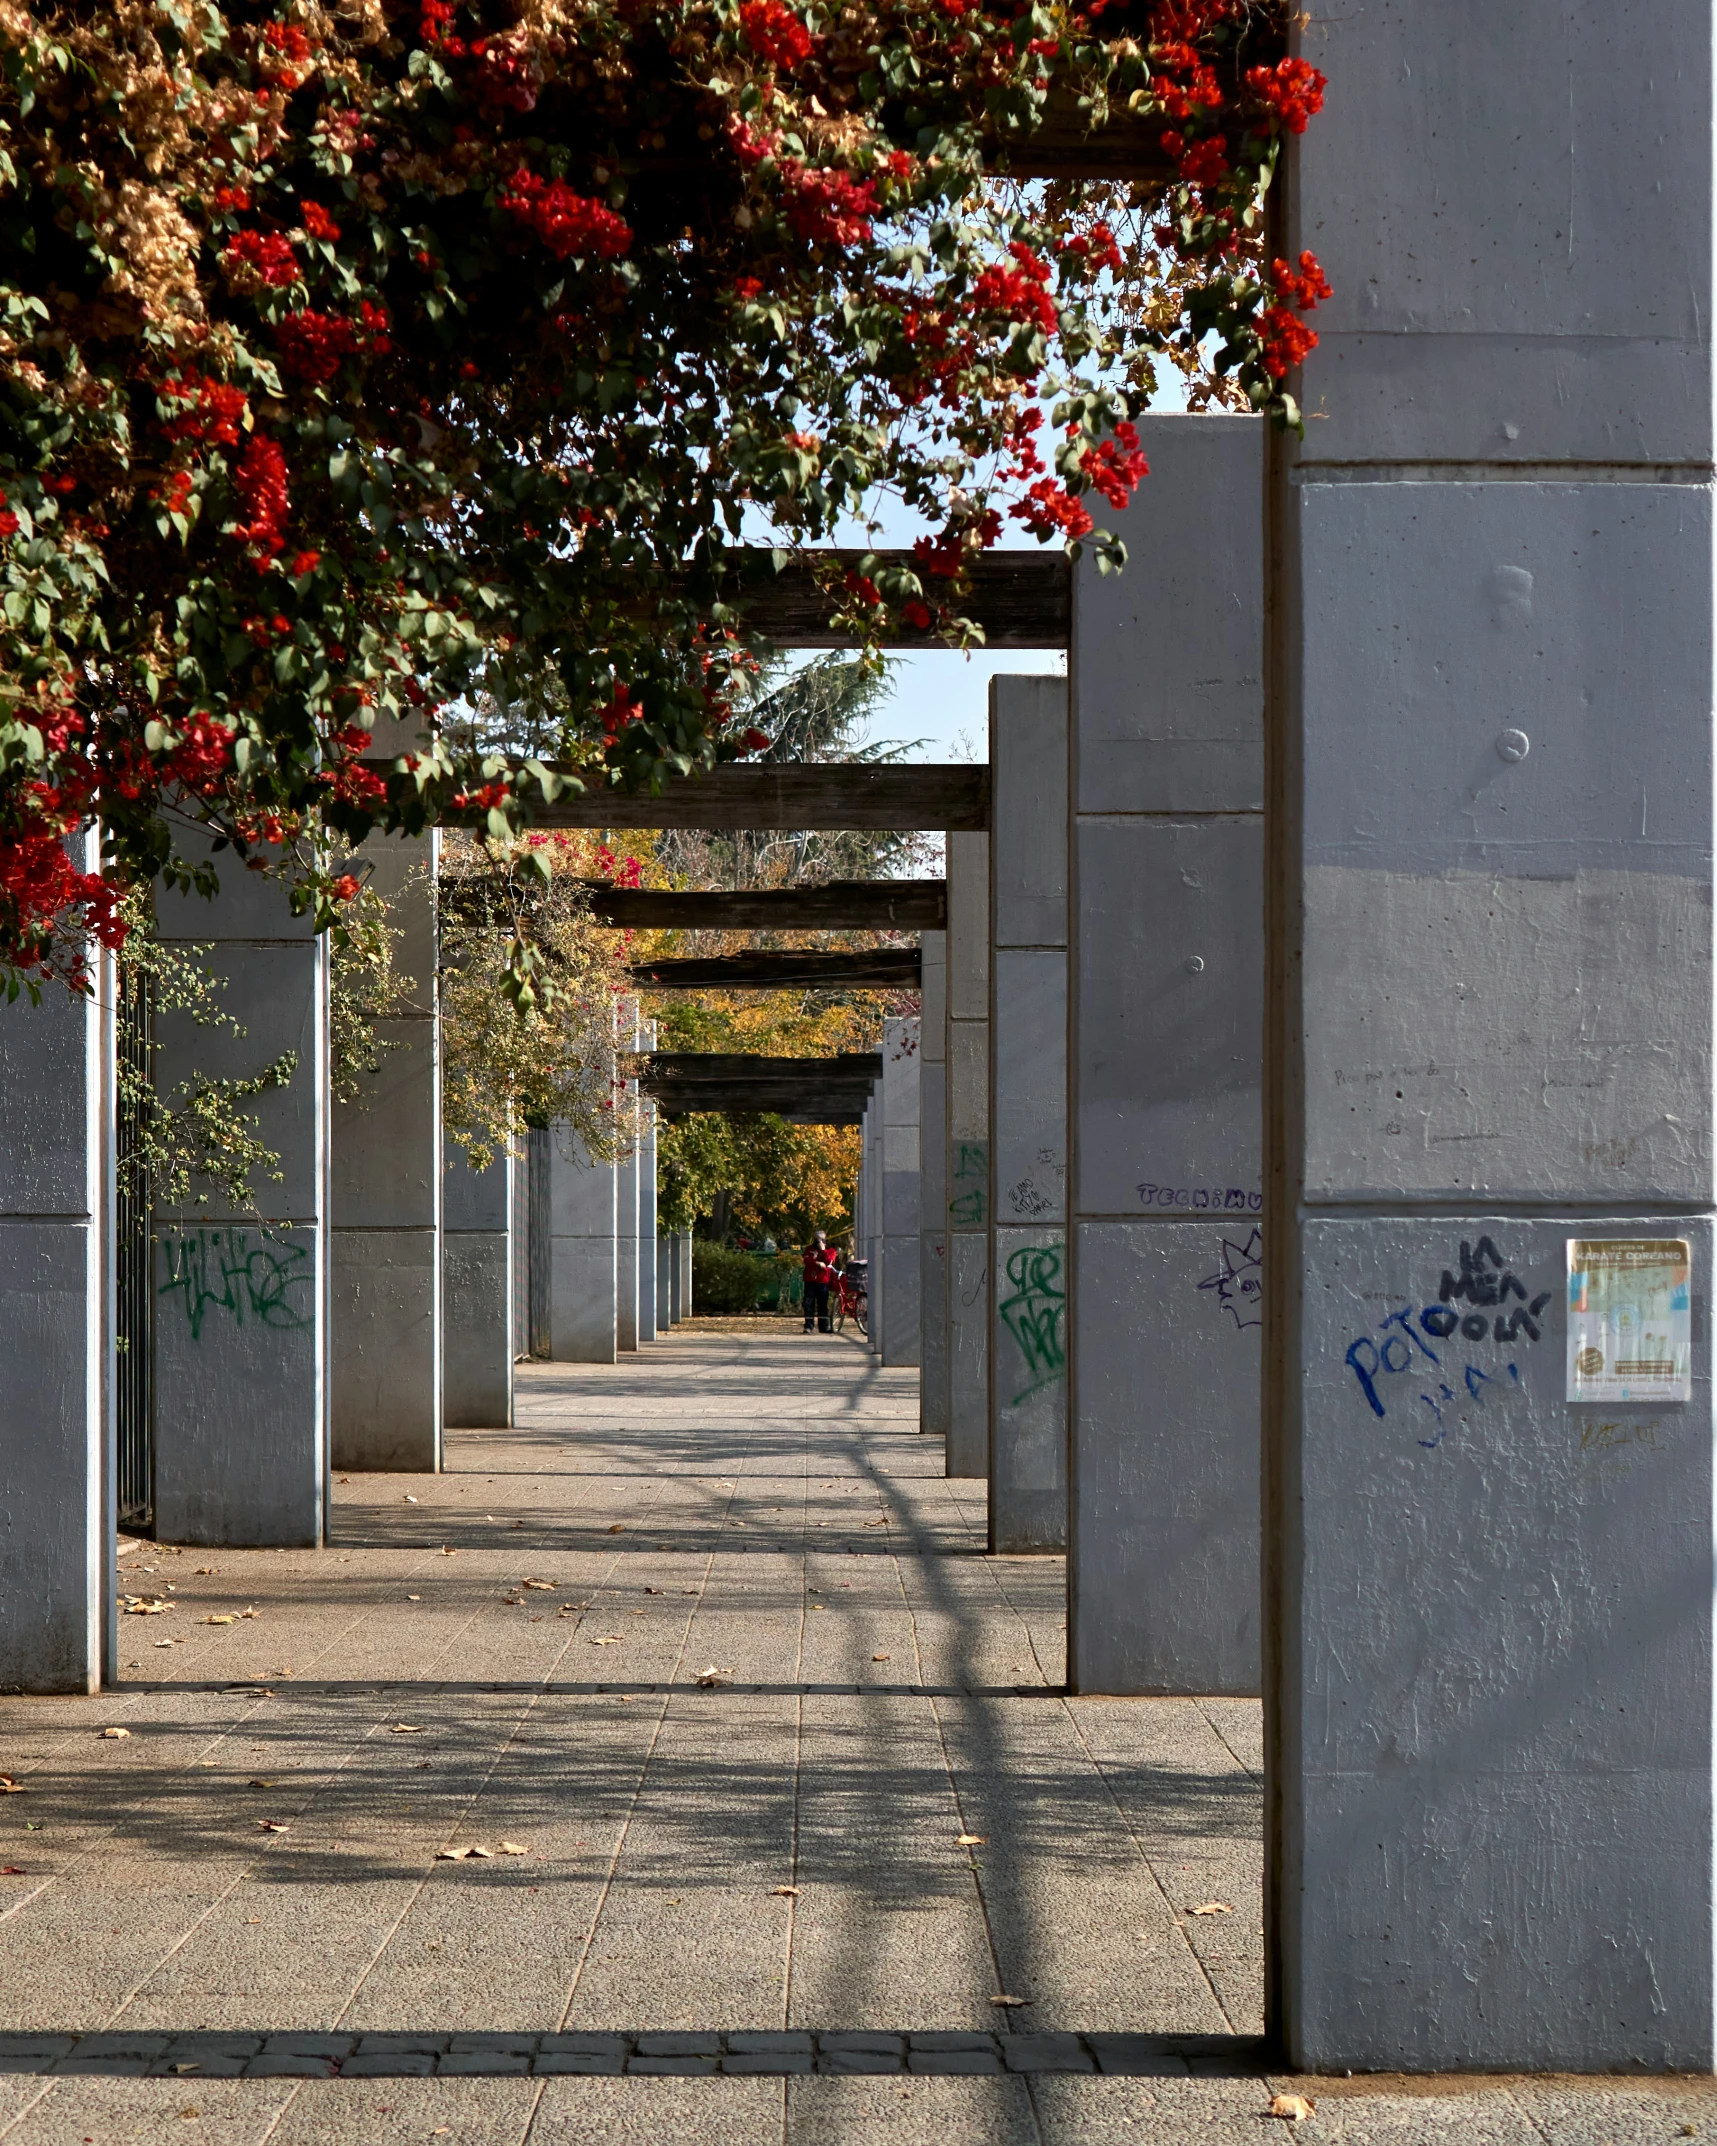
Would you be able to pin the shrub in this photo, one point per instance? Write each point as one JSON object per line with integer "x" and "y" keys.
{"x": 725, "y": 1283}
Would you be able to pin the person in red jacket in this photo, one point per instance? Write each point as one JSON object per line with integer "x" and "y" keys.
{"x": 819, "y": 1276}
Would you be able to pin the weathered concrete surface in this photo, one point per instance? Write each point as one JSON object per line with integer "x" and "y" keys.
{"x": 628, "y": 1196}
{"x": 897, "y": 1314}
{"x": 966, "y": 1161}
{"x": 648, "y": 1322}
{"x": 933, "y": 1187}
{"x": 478, "y": 1342}
{"x": 683, "y": 1276}
{"x": 1481, "y": 1585}
{"x": 241, "y": 1313}
{"x": 385, "y": 1294}
{"x": 666, "y": 1315}
{"x": 1028, "y": 1114}
{"x": 584, "y": 1245}
{"x": 1167, "y": 933}
{"x": 55, "y": 1520}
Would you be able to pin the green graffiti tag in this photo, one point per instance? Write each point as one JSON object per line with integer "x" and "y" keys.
{"x": 1035, "y": 1315}
{"x": 969, "y": 1209}
{"x": 252, "y": 1274}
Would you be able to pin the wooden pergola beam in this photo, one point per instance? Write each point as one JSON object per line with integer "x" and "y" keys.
{"x": 841, "y": 905}
{"x": 1022, "y": 599}
{"x": 784, "y": 969}
{"x": 831, "y": 796}
{"x": 686, "y": 1067}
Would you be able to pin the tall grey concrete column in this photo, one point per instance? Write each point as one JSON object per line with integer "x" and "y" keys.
{"x": 870, "y": 1200}
{"x": 242, "y": 1294}
{"x": 649, "y": 1323}
{"x": 56, "y": 1334}
{"x": 1028, "y": 1114}
{"x": 900, "y": 1204}
{"x": 477, "y": 1335}
{"x": 386, "y": 1357}
{"x": 683, "y": 1276}
{"x": 1489, "y": 1405}
{"x": 584, "y": 1302}
{"x": 933, "y": 1187}
{"x": 1165, "y": 1026}
{"x": 966, "y": 1162}
{"x": 627, "y": 1192}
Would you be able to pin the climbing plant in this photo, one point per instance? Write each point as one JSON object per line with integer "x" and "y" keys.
{"x": 347, "y": 350}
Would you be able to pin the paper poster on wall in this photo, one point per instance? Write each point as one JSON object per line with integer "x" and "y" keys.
{"x": 1630, "y": 1326}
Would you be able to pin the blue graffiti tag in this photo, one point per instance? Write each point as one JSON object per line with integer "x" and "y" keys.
{"x": 1403, "y": 1341}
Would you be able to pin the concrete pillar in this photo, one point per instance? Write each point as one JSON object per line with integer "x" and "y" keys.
{"x": 683, "y": 1276}
{"x": 242, "y": 1294}
{"x": 584, "y": 1320}
{"x": 477, "y": 1334}
{"x": 900, "y": 1216}
{"x": 967, "y": 1155}
{"x": 666, "y": 1315}
{"x": 386, "y": 1355}
{"x": 1490, "y": 1703}
{"x": 933, "y": 1188}
{"x": 1166, "y": 1011}
{"x": 627, "y": 1196}
{"x": 56, "y": 1298}
{"x": 870, "y": 1198}
{"x": 648, "y": 1322}
{"x": 1028, "y": 1114}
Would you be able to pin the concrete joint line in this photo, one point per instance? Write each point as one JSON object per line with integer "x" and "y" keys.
{"x": 1695, "y": 473}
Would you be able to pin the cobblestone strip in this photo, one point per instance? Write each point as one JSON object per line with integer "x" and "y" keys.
{"x": 494, "y": 2056}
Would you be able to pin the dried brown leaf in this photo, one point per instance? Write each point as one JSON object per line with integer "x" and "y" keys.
{"x": 971, "y": 1840}
{"x": 1292, "y": 2108}
{"x": 1212, "y": 1907}
{"x": 113, "y": 1735}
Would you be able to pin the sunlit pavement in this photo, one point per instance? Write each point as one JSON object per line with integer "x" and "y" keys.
{"x": 674, "y": 1767}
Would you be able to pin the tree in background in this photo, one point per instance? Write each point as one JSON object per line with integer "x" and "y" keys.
{"x": 756, "y": 1177}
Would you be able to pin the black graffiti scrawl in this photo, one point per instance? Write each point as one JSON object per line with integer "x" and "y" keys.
{"x": 1485, "y": 1279}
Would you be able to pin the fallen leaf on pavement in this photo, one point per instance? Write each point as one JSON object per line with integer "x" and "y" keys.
{"x": 488, "y": 1854}
{"x": 512, "y": 1847}
{"x": 1010, "y": 2000}
{"x": 971, "y": 1840}
{"x": 612, "y": 1639}
{"x": 207, "y": 1572}
{"x": 409, "y": 1499}
{"x": 145, "y": 1605}
{"x": 451, "y": 1855}
{"x": 618, "y": 1528}
{"x": 787, "y": 1892}
{"x": 220, "y": 1620}
{"x": 249, "y": 1919}
{"x": 271, "y": 1825}
{"x": 13, "y": 1870}
{"x": 9, "y": 1787}
{"x": 405, "y": 1728}
{"x": 446, "y": 1552}
{"x": 879, "y": 1657}
{"x": 713, "y": 1675}
{"x": 652, "y": 1590}
{"x": 1293, "y": 2108}
{"x": 546, "y": 1587}
{"x": 113, "y": 1735}
{"x": 414, "y": 1598}
{"x": 166, "y": 1643}
{"x": 1213, "y": 1907}
{"x": 262, "y": 1784}
{"x": 250, "y": 1613}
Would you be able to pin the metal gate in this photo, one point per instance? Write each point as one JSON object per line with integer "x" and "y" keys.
{"x": 134, "y": 1368}
{"x": 537, "y": 1169}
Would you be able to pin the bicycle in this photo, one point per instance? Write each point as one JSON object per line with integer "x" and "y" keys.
{"x": 852, "y": 1298}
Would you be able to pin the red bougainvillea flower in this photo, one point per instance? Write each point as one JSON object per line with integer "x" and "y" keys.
{"x": 1293, "y": 89}
{"x": 318, "y": 222}
{"x": 260, "y": 482}
{"x": 345, "y": 887}
{"x": 264, "y": 254}
{"x": 828, "y": 208}
{"x": 775, "y": 33}
{"x": 313, "y": 346}
{"x": 567, "y": 223}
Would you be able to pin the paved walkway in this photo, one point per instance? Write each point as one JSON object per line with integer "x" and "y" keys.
{"x": 684, "y": 1731}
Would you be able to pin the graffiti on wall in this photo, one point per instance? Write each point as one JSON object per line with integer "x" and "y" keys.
{"x": 249, "y": 1275}
{"x": 1238, "y": 1283}
{"x": 1035, "y": 1314}
{"x": 1440, "y": 1350}
{"x": 969, "y": 1184}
